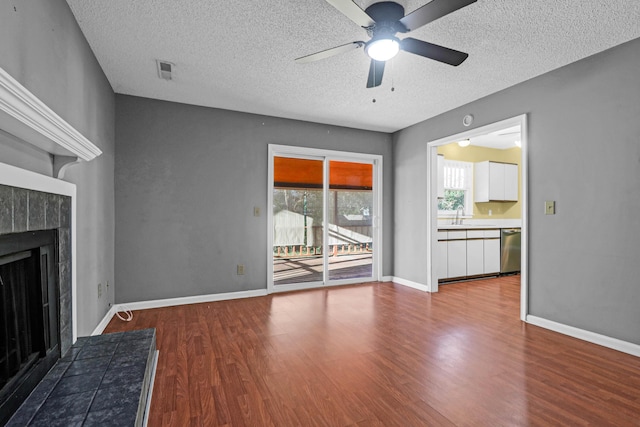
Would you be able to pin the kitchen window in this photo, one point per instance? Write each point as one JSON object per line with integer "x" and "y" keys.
{"x": 458, "y": 189}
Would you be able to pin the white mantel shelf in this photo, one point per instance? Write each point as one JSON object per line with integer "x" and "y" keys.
{"x": 25, "y": 116}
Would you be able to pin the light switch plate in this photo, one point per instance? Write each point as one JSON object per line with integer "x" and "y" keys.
{"x": 256, "y": 211}
{"x": 550, "y": 207}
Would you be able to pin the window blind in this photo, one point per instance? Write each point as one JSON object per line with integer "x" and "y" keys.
{"x": 458, "y": 175}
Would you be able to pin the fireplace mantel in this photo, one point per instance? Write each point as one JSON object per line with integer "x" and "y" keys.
{"x": 25, "y": 116}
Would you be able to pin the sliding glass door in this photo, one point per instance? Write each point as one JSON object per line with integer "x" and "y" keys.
{"x": 322, "y": 220}
{"x": 350, "y": 228}
{"x": 298, "y": 217}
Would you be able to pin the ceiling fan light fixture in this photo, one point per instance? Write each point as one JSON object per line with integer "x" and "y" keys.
{"x": 383, "y": 49}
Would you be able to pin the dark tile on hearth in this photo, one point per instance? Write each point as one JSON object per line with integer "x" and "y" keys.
{"x": 29, "y": 408}
{"x": 68, "y": 421}
{"x": 36, "y": 211}
{"x": 124, "y": 357}
{"x": 106, "y": 338}
{"x": 6, "y": 209}
{"x": 22, "y": 416}
{"x": 89, "y": 351}
{"x": 125, "y": 397}
{"x": 43, "y": 390}
{"x": 135, "y": 346}
{"x": 71, "y": 354}
{"x": 20, "y": 211}
{"x": 59, "y": 409}
{"x": 77, "y": 384}
{"x": 95, "y": 365}
{"x": 81, "y": 341}
{"x": 117, "y": 376}
{"x": 139, "y": 334}
{"x": 110, "y": 417}
{"x": 58, "y": 370}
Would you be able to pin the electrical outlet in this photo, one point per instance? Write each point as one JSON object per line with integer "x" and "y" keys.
{"x": 549, "y": 207}
{"x": 99, "y": 290}
{"x": 240, "y": 269}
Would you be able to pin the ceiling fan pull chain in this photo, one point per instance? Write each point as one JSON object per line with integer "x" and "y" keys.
{"x": 393, "y": 85}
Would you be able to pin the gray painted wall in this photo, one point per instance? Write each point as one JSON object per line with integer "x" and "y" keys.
{"x": 187, "y": 179}
{"x": 584, "y": 153}
{"x": 43, "y": 48}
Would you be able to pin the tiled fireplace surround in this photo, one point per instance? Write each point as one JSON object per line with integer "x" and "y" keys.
{"x": 29, "y": 210}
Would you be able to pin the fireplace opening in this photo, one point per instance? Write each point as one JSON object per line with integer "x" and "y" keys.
{"x": 29, "y": 315}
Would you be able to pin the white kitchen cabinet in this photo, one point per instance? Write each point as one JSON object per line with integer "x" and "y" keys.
{"x": 475, "y": 257}
{"x": 491, "y": 256}
{"x": 495, "y": 182}
{"x": 456, "y": 258}
{"x": 440, "y": 178}
{"x": 510, "y": 182}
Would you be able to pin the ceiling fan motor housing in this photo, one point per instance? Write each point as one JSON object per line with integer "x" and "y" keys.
{"x": 387, "y": 16}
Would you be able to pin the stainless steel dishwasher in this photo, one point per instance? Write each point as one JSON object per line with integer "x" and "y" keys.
{"x": 510, "y": 250}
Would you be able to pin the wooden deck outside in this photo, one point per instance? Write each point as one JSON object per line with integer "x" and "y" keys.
{"x": 309, "y": 269}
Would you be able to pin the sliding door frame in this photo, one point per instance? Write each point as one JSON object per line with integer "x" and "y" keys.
{"x": 377, "y": 232}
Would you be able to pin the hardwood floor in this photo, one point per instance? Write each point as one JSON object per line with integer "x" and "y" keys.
{"x": 381, "y": 354}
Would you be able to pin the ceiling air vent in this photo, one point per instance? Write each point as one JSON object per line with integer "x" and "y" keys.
{"x": 165, "y": 69}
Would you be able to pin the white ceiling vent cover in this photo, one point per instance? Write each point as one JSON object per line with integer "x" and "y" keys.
{"x": 165, "y": 68}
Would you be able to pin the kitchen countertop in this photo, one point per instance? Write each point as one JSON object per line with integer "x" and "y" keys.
{"x": 480, "y": 224}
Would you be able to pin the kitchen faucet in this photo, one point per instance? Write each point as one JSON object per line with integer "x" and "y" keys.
{"x": 458, "y": 219}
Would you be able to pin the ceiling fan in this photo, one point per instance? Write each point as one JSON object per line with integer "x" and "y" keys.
{"x": 383, "y": 21}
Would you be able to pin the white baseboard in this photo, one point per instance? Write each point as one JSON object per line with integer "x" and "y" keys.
{"x": 105, "y": 321}
{"x": 410, "y": 284}
{"x": 143, "y": 305}
{"x": 387, "y": 279}
{"x": 592, "y": 337}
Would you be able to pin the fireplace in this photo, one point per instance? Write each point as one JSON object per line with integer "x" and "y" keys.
{"x": 35, "y": 290}
{"x": 29, "y": 321}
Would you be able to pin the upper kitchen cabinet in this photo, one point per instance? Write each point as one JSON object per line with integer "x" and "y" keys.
{"x": 495, "y": 182}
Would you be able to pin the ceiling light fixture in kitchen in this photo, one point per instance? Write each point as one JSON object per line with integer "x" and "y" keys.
{"x": 464, "y": 143}
{"x": 518, "y": 143}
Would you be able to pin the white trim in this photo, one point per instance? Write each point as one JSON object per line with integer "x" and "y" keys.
{"x": 152, "y": 381}
{"x": 143, "y": 305}
{"x": 410, "y": 284}
{"x": 105, "y": 321}
{"x": 21, "y": 178}
{"x": 387, "y": 279}
{"x": 168, "y": 302}
{"x": 432, "y": 213}
{"x": 592, "y": 337}
{"x": 32, "y": 121}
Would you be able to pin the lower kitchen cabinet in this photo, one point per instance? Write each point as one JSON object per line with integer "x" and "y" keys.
{"x": 475, "y": 257}
{"x": 466, "y": 253}
{"x": 456, "y": 258}
{"x": 491, "y": 256}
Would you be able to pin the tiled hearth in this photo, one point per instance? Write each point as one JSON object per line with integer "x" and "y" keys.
{"x": 102, "y": 381}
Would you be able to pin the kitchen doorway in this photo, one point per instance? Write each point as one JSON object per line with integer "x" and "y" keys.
{"x": 323, "y": 218}
{"x": 463, "y": 212}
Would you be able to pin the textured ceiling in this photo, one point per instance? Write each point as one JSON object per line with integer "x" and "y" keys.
{"x": 239, "y": 55}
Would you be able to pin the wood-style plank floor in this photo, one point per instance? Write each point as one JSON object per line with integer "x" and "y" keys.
{"x": 381, "y": 354}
